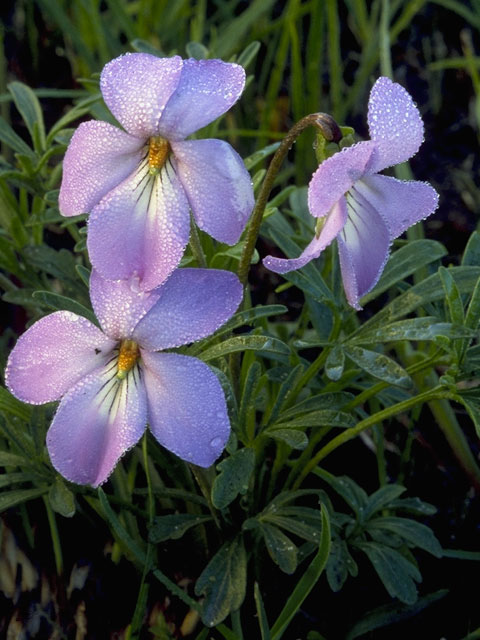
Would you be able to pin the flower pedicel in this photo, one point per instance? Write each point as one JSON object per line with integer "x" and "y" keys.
{"x": 139, "y": 184}
{"x": 112, "y": 382}
{"x": 365, "y": 211}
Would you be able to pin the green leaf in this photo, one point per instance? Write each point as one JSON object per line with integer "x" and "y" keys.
{"x": 29, "y": 107}
{"x": 415, "y": 533}
{"x": 404, "y": 262}
{"x": 307, "y": 581}
{"x": 261, "y": 615}
{"x": 61, "y": 498}
{"x": 471, "y": 255}
{"x": 249, "y": 54}
{"x": 8, "y": 135}
{"x": 84, "y": 274}
{"x": 234, "y": 30}
{"x": 472, "y": 405}
{"x": 243, "y": 343}
{"x": 425, "y": 328}
{"x": 174, "y": 526}
{"x": 10, "y": 218}
{"x": 223, "y": 582}
{"x": 250, "y": 316}
{"x": 335, "y": 363}
{"x": 62, "y": 303}
{"x": 280, "y": 548}
{"x": 421, "y": 294}
{"x": 392, "y": 613}
{"x": 7, "y": 479}
{"x": 293, "y": 524}
{"x": 78, "y": 111}
{"x": 414, "y": 505}
{"x": 260, "y": 155}
{"x": 8, "y": 259}
{"x": 18, "y": 496}
{"x": 252, "y": 386}
{"x": 196, "y": 50}
{"x": 10, "y": 404}
{"x": 8, "y": 459}
{"x": 308, "y": 279}
{"x": 286, "y": 387}
{"x": 234, "y": 476}
{"x": 340, "y": 564}
{"x": 379, "y": 366}
{"x": 472, "y": 317}
{"x": 381, "y": 498}
{"x": 350, "y": 491}
{"x": 318, "y": 402}
{"x": 59, "y": 264}
{"x": 322, "y": 418}
{"x": 394, "y": 570}
{"x": 294, "y": 438}
{"x": 452, "y": 297}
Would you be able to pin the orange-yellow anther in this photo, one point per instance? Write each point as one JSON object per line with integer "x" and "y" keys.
{"x": 127, "y": 357}
{"x": 158, "y": 150}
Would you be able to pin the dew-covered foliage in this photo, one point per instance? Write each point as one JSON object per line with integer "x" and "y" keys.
{"x": 240, "y": 304}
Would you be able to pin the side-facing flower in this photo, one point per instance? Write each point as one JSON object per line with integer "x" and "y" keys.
{"x": 140, "y": 184}
{"x": 112, "y": 382}
{"x": 365, "y": 211}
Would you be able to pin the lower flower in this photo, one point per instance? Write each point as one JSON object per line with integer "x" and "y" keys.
{"x": 112, "y": 384}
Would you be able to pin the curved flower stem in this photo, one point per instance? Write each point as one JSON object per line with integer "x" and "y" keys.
{"x": 330, "y": 131}
{"x": 432, "y": 394}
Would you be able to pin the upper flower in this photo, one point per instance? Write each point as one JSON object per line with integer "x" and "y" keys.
{"x": 363, "y": 210}
{"x": 140, "y": 184}
{"x": 112, "y": 382}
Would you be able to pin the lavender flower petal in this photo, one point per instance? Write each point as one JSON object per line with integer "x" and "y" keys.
{"x": 187, "y": 412}
{"x": 140, "y": 228}
{"x": 98, "y": 158}
{"x": 136, "y": 87}
{"x": 402, "y": 203}
{"x": 119, "y": 305}
{"x": 336, "y": 175}
{"x": 193, "y": 303}
{"x": 207, "y": 88}
{"x": 363, "y": 246}
{"x": 394, "y": 123}
{"x": 218, "y": 186}
{"x": 334, "y": 223}
{"x": 97, "y": 421}
{"x": 54, "y": 354}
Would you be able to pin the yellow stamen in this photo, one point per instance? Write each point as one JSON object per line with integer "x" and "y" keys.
{"x": 127, "y": 357}
{"x": 158, "y": 150}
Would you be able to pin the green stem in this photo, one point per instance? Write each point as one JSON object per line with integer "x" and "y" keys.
{"x": 205, "y": 478}
{"x": 385, "y": 57}
{"x": 140, "y": 606}
{"x": 237, "y": 624}
{"x": 57, "y": 547}
{"x": 330, "y": 130}
{"x": 433, "y": 394}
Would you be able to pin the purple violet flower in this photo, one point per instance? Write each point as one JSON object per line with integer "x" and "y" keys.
{"x": 139, "y": 184}
{"x": 112, "y": 382}
{"x": 365, "y": 211}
